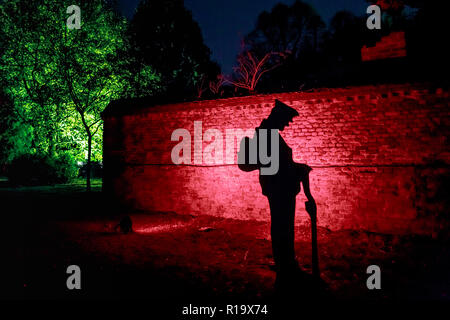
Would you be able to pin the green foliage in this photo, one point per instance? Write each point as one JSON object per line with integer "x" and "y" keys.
{"x": 39, "y": 169}
{"x": 60, "y": 80}
{"x": 65, "y": 167}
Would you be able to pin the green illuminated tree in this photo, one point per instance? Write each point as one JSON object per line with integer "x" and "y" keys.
{"x": 60, "y": 80}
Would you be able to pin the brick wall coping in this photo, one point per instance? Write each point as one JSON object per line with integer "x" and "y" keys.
{"x": 123, "y": 107}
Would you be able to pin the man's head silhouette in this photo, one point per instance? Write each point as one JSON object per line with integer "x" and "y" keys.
{"x": 281, "y": 115}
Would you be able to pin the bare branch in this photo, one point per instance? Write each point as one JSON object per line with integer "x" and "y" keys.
{"x": 250, "y": 68}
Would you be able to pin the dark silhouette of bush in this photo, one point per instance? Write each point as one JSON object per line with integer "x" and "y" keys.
{"x": 96, "y": 170}
{"x": 38, "y": 169}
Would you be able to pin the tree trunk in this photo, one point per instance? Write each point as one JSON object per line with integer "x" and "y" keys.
{"x": 88, "y": 165}
{"x": 315, "y": 39}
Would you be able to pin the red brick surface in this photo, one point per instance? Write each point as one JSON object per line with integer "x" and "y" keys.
{"x": 378, "y": 154}
{"x": 390, "y": 46}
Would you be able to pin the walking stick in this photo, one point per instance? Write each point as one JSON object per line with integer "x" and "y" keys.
{"x": 312, "y": 211}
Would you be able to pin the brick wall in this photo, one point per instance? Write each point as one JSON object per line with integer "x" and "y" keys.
{"x": 390, "y": 46}
{"x": 379, "y": 155}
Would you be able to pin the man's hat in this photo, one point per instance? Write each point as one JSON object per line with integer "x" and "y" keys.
{"x": 283, "y": 110}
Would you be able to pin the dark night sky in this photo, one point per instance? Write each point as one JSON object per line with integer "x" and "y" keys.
{"x": 225, "y": 22}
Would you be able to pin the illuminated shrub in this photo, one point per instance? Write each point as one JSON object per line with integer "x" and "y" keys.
{"x": 65, "y": 167}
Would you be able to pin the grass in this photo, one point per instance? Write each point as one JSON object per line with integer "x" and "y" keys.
{"x": 76, "y": 185}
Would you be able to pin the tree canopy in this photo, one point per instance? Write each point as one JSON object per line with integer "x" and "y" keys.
{"x": 163, "y": 34}
{"x": 294, "y": 30}
{"x": 59, "y": 80}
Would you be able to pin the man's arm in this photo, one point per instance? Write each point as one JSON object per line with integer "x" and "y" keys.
{"x": 306, "y": 188}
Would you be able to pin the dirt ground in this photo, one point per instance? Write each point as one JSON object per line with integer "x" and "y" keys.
{"x": 182, "y": 258}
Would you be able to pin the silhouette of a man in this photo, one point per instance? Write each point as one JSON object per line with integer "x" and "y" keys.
{"x": 281, "y": 190}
